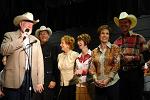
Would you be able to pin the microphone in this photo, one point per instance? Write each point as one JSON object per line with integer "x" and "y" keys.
{"x": 25, "y": 32}
{"x": 29, "y": 45}
{"x": 32, "y": 42}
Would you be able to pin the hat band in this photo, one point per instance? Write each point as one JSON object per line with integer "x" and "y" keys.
{"x": 28, "y": 21}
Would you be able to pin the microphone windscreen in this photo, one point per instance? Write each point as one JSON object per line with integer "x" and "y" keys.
{"x": 27, "y": 30}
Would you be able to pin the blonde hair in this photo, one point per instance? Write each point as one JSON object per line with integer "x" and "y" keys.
{"x": 69, "y": 40}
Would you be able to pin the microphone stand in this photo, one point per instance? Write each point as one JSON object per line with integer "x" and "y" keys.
{"x": 61, "y": 87}
{"x": 28, "y": 73}
{"x": 30, "y": 79}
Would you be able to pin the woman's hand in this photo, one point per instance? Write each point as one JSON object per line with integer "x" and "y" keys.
{"x": 102, "y": 83}
{"x": 78, "y": 72}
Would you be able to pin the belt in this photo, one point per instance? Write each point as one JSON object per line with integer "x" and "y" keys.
{"x": 11, "y": 89}
{"x": 127, "y": 68}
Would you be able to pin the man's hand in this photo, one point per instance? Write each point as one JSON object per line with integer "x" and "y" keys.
{"x": 39, "y": 88}
{"x": 127, "y": 59}
{"x": 1, "y": 93}
{"x": 52, "y": 84}
{"x": 146, "y": 69}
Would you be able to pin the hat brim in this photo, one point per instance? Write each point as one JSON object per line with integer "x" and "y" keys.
{"x": 132, "y": 18}
{"x": 18, "y": 19}
{"x": 39, "y": 30}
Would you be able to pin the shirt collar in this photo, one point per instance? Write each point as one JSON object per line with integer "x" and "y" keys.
{"x": 129, "y": 33}
{"x": 89, "y": 53}
{"x": 108, "y": 44}
{"x": 68, "y": 53}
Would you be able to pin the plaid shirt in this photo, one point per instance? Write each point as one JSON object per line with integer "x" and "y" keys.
{"x": 148, "y": 46}
{"x": 131, "y": 45}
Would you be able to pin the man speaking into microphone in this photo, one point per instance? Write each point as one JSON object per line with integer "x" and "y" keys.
{"x": 24, "y": 70}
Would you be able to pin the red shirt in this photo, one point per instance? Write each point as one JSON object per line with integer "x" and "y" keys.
{"x": 131, "y": 45}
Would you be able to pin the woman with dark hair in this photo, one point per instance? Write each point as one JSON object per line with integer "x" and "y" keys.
{"x": 104, "y": 67}
{"x": 83, "y": 61}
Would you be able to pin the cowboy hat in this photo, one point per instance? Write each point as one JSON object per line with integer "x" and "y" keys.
{"x": 26, "y": 17}
{"x": 124, "y": 15}
{"x": 43, "y": 28}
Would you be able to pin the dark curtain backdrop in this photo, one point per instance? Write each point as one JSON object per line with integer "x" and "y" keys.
{"x": 65, "y": 14}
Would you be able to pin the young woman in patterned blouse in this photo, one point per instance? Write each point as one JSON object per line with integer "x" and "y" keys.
{"x": 104, "y": 67}
{"x": 82, "y": 67}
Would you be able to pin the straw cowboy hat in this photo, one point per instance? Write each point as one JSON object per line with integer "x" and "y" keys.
{"x": 124, "y": 15}
{"x": 26, "y": 16}
{"x": 43, "y": 28}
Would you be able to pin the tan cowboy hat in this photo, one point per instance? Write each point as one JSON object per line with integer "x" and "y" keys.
{"x": 43, "y": 28}
{"x": 124, "y": 15}
{"x": 26, "y": 16}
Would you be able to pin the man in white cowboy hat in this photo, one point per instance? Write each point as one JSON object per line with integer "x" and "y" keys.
{"x": 24, "y": 67}
{"x": 131, "y": 45}
{"x": 50, "y": 64}
{"x": 43, "y": 34}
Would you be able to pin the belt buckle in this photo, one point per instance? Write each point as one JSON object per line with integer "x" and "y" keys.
{"x": 124, "y": 68}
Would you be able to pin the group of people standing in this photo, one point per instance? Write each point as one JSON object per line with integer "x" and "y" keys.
{"x": 36, "y": 70}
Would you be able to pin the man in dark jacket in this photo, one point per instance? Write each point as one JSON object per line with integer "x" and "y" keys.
{"x": 50, "y": 65}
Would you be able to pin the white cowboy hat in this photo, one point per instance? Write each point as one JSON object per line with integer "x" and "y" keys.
{"x": 43, "y": 28}
{"x": 26, "y": 16}
{"x": 124, "y": 15}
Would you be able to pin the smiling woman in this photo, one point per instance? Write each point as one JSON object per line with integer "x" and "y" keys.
{"x": 84, "y": 90}
{"x": 104, "y": 32}
{"x": 66, "y": 61}
{"x": 104, "y": 67}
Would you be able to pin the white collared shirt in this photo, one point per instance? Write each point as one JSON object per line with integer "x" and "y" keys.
{"x": 27, "y": 49}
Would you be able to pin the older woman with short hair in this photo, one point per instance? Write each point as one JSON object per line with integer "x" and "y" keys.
{"x": 66, "y": 61}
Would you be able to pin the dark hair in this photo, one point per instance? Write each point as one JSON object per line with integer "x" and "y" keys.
{"x": 85, "y": 38}
{"x": 104, "y": 27}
